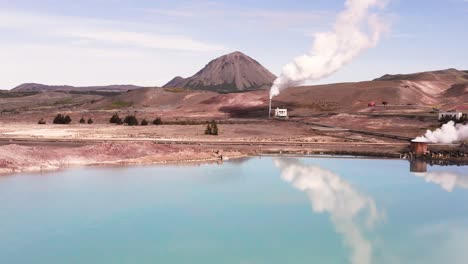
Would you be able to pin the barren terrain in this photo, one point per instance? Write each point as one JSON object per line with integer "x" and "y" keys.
{"x": 324, "y": 119}
{"x": 25, "y": 146}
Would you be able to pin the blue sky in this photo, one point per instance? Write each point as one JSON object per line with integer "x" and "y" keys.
{"x": 143, "y": 42}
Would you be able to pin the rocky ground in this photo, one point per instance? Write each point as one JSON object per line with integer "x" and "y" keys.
{"x": 28, "y": 146}
{"x": 27, "y": 158}
{"x": 32, "y": 147}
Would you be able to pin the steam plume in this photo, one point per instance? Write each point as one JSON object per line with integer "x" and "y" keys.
{"x": 355, "y": 30}
{"x": 447, "y": 134}
{"x": 329, "y": 193}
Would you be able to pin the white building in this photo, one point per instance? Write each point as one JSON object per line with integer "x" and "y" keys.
{"x": 456, "y": 115}
{"x": 281, "y": 113}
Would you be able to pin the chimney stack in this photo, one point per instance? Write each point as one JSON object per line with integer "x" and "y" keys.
{"x": 269, "y": 109}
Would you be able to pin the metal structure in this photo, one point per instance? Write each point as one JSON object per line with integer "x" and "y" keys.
{"x": 454, "y": 115}
{"x": 269, "y": 109}
{"x": 281, "y": 113}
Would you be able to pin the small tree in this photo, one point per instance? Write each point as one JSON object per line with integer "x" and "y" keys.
{"x": 208, "y": 129}
{"x": 67, "y": 120}
{"x": 115, "y": 119}
{"x": 212, "y": 128}
{"x": 61, "y": 119}
{"x": 58, "y": 119}
{"x": 90, "y": 121}
{"x": 82, "y": 120}
{"x": 131, "y": 120}
{"x": 157, "y": 121}
{"x": 385, "y": 103}
{"x": 41, "y": 121}
{"x": 144, "y": 122}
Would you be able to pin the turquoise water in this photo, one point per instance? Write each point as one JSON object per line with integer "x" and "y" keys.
{"x": 260, "y": 210}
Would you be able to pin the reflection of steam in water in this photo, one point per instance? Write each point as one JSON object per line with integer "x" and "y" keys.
{"x": 329, "y": 193}
{"x": 447, "y": 180}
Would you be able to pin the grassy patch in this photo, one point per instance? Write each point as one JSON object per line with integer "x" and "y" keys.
{"x": 323, "y": 106}
{"x": 176, "y": 90}
{"x": 118, "y": 104}
{"x": 64, "y": 101}
{"x": 8, "y": 94}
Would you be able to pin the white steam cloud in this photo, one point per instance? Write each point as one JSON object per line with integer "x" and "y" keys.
{"x": 331, "y": 194}
{"x": 355, "y": 30}
{"x": 447, "y": 134}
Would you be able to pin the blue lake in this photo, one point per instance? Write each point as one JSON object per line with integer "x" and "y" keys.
{"x": 259, "y": 210}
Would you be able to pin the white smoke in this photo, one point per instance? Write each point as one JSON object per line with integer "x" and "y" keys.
{"x": 355, "y": 30}
{"x": 329, "y": 193}
{"x": 447, "y": 134}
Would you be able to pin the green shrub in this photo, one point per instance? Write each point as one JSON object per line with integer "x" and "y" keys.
{"x": 144, "y": 122}
{"x": 58, "y": 119}
{"x": 118, "y": 104}
{"x": 157, "y": 121}
{"x": 61, "y": 119}
{"x": 212, "y": 128}
{"x": 67, "y": 120}
{"x": 41, "y": 121}
{"x": 208, "y": 129}
{"x": 82, "y": 120}
{"x": 115, "y": 119}
{"x": 131, "y": 120}
{"x": 90, "y": 121}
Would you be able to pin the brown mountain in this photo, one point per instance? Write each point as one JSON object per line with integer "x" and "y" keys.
{"x": 431, "y": 82}
{"x": 450, "y": 75}
{"x": 229, "y": 73}
{"x": 419, "y": 92}
{"x": 444, "y": 88}
{"x": 410, "y": 92}
{"x": 36, "y": 87}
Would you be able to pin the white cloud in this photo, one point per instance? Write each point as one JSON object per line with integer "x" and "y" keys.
{"x": 144, "y": 40}
{"x": 173, "y": 12}
{"x": 104, "y": 31}
{"x": 82, "y": 65}
{"x": 288, "y": 17}
{"x": 257, "y": 17}
{"x": 55, "y": 49}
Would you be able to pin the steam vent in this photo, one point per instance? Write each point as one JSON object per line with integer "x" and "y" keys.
{"x": 418, "y": 147}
